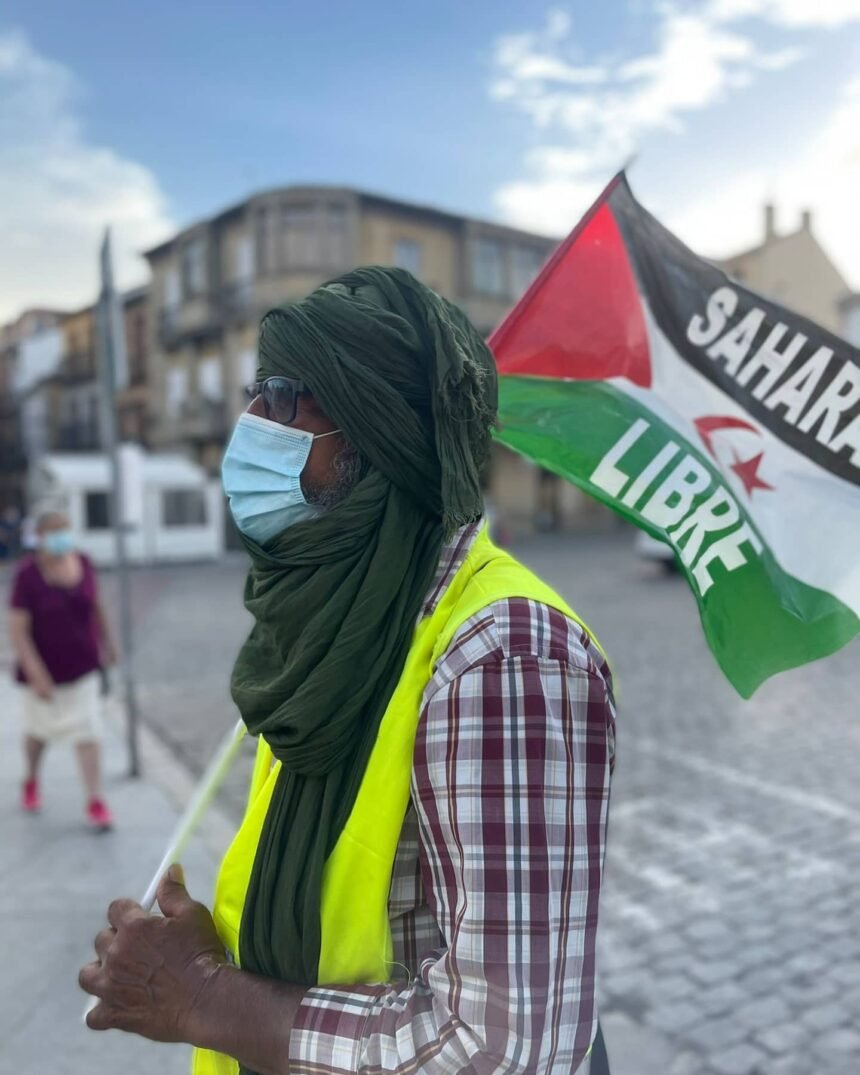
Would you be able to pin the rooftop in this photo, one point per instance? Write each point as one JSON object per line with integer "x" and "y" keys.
{"x": 93, "y": 468}
{"x": 367, "y": 198}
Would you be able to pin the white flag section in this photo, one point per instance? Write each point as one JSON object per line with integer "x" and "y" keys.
{"x": 715, "y": 419}
{"x": 808, "y": 516}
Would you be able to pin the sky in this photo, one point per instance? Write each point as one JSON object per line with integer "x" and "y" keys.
{"x": 150, "y": 116}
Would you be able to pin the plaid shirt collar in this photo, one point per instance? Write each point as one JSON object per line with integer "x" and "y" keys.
{"x": 454, "y": 552}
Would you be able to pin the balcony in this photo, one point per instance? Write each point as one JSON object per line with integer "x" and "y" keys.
{"x": 237, "y": 300}
{"x": 78, "y": 367}
{"x": 77, "y": 437}
{"x": 195, "y": 319}
{"x": 197, "y": 420}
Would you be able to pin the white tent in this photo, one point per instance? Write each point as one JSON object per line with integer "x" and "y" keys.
{"x": 171, "y": 509}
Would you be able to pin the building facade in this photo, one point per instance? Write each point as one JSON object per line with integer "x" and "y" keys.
{"x": 213, "y": 282}
{"x": 76, "y": 386}
{"x": 50, "y": 395}
{"x": 793, "y": 269}
{"x": 849, "y": 310}
{"x": 30, "y": 352}
{"x": 134, "y": 401}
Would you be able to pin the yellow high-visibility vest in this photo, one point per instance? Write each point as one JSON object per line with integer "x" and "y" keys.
{"x": 356, "y": 944}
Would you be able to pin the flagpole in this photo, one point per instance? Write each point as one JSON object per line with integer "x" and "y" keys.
{"x": 206, "y": 790}
{"x": 108, "y": 325}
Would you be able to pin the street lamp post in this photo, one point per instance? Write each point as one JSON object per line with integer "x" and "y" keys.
{"x": 113, "y": 377}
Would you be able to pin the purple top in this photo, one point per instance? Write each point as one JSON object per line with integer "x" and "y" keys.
{"x": 65, "y": 625}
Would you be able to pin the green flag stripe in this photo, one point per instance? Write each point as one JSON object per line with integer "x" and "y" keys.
{"x": 757, "y": 618}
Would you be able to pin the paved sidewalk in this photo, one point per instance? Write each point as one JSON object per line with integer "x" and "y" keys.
{"x": 58, "y": 879}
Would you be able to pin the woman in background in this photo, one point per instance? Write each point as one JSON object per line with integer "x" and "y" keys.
{"x": 61, "y": 640}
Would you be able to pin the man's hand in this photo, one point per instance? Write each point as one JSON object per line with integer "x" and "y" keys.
{"x": 152, "y": 972}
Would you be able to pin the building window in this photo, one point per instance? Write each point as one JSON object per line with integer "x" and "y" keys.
{"x": 194, "y": 268}
{"x": 247, "y": 371}
{"x": 851, "y": 324}
{"x": 488, "y": 269}
{"x": 301, "y": 237}
{"x": 336, "y": 252}
{"x": 407, "y": 255}
{"x": 97, "y": 511}
{"x": 93, "y": 409}
{"x": 176, "y": 391}
{"x": 172, "y": 289}
{"x": 265, "y": 239}
{"x": 261, "y": 249}
{"x": 183, "y": 507}
{"x": 135, "y": 334}
{"x": 525, "y": 265}
{"x": 209, "y": 380}
{"x": 314, "y": 236}
{"x": 243, "y": 268}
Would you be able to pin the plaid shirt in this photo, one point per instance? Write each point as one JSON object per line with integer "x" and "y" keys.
{"x": 495, "y": 888}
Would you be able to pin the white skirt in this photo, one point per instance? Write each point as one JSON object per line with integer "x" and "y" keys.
{"x": 72, "y": 715}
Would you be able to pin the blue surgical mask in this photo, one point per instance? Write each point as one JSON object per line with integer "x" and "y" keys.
{"x": 58, "y": 542}
{"x": 261, "y": 476}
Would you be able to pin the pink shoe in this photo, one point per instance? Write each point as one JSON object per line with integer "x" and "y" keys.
{"x": 99, "y": 815}
{"x": 31, "y": 800}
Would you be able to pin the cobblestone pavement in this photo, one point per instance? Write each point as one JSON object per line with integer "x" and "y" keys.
{"x": 730, "y": 925}
{"x": 730, "y": 920}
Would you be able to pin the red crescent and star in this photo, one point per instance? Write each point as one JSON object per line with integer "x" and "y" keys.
{"x": 746, "y": 469}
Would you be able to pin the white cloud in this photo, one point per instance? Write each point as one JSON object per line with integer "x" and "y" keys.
{"x": 528, "y": 63}
{"x": 778, "y": 61}
{"x": 612, "y": 104}
{"x": 558, "y": 24}
{"x": 793, "y": 14}
{"x": 590, "y": 119}
{"x": 548, "y": 206}
{"x": 58, "y": 190}
{"x": 823, "y": 175}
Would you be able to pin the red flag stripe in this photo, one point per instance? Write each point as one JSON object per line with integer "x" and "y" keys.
{"x": 584, "y": 313}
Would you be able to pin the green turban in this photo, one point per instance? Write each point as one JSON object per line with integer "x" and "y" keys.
{"x": 336, "y": 599}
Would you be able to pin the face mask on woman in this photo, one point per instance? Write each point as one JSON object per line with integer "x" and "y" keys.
{"x": 261, "y": 475}
{"x": 58, "y": 542}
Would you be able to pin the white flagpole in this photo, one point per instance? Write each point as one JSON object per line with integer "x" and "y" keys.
{"x": 198, "y": 804}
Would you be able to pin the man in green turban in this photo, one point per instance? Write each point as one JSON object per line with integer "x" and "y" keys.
{"x": 415, "y": 884}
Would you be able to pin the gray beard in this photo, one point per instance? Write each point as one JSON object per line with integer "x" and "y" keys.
{"x": 346, "y": 474}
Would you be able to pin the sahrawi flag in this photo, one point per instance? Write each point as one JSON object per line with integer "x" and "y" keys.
{"x": 716, "y": 420}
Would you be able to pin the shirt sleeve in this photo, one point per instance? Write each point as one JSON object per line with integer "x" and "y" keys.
{"x": 22, "y": 590}
{"x": 511, "y": 786}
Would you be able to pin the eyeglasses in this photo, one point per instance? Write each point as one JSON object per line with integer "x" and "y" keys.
{"x": 280, "y": 396}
